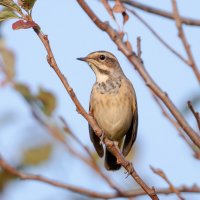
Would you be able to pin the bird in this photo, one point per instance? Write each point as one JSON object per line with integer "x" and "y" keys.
{"x": 113, "y": 105}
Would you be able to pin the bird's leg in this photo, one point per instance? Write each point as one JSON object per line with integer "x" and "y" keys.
{"x": 102, "y": 137}
{"x": 116, "y": 143}
{"x": 91, "y": 114}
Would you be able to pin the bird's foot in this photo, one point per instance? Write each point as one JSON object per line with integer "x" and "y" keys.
{"x": 116, "y": 143}
{"x": 90, "y": 113}
{"x": 102, "y": 137}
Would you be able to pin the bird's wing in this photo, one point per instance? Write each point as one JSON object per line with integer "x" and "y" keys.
{"x": 95, "y": 140}
{"x": 132, "y": 132}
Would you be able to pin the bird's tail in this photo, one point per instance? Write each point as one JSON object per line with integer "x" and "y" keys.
{"x": 111, "y": 160}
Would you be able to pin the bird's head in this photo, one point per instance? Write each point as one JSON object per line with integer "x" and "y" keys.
{"x": 104, "y": 64}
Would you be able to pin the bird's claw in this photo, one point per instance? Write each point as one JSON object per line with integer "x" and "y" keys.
{"x": 102, "y": 137}
{"x": 90, "y": 113}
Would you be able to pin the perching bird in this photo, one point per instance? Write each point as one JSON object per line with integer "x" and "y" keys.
{"x": 113, "y": 105}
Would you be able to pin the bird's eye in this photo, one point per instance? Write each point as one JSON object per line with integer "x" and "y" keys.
{"x": 102, "y": 57}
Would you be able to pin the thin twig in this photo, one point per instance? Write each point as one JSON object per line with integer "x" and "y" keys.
{"x": 193, "y": 147}
{"x": 183, "y": 38}
{"x": 110, "y": 12}
{"x": 56, "y": 133}
{"x": 162, "y": 13}
{"x": 160, "y": 173}
{"x": 139, "y": 51}
{"x": 158, "y": 36}
{"x": 86, "y": 192}
{"x": 196, "y": 114}
{"x": 93, "y": 162}
{"x": 136, "y": 62}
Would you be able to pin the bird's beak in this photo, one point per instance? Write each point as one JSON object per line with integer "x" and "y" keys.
{"x": 82, "y": 59}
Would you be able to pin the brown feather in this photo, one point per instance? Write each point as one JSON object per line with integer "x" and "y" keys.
{"x": 96, "y": 140}
{"x": 113, "y": 105}
{"x": 132, "y": 133}
{"x": 111, "y": 161}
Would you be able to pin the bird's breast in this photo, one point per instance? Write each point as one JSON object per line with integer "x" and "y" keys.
{"x": 113, "y": 111}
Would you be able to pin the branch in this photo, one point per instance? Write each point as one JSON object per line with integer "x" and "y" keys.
{"x": 133, "y": 193}
{"x": 109, "y": 144}
{"x": 139, "y": 51}
{"x": 193, "y": 147}
{"x": 162, "y": 13}
{"x": 93, "y": 163}
{"x": 196, "y": 114}
{"x": 26, "y": 176}
{"x": 158, "y": 36}
{"x": 160, "y": 173}
{"x": 138, "y": 64}
{"x": 183, "y": 38}
{"x": 55, "y": 132}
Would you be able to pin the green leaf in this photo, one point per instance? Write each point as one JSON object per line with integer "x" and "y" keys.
{"x": 7, "y": 14}
{"x": 11, "y": 4}
{"x": 37, "y": 155}
{"x": 24, "y": 90}
{"x": 26, "y": 4}
{"x": 48, "y": 101}
{"x": 8, "y": 61}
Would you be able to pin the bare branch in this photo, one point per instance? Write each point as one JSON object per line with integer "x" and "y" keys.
{"x": 110, "y": 12}
{"x": 133, "y": 193}
{"x": 139, "y": 51}
{"x": 26, "y": 176}
{"x": 136, "y": 62}
{"x": 196, "y": 114}
{"x": 162, "y": 13}
{"x": 158, "y": 36}
{"x": 177, "y": 126}
{"x": 160, "y": 173}
{"x": 183, "y": 38}
{"x": 93, "y": 162}
{"x": 55, "y": 132}
{"x": 193, "y": 147}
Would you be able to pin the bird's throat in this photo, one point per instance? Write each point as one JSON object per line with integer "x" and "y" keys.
{"x": 100, "y": 78}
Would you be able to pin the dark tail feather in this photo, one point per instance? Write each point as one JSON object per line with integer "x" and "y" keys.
{"x": 111, "y": 162}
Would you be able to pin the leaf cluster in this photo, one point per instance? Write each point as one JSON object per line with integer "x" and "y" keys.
{"x": 12, "y": 10}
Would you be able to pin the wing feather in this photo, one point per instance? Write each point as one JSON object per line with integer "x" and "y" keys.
{"x": 132, "y": 132}
{"x": 96, "y": 140}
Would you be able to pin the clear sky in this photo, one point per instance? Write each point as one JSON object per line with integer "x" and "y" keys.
{"x": 72, "y": 34}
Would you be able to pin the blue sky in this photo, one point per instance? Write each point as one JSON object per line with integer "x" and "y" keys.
{"x": 72, "y": 34}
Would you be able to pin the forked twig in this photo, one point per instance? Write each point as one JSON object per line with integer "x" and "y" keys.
{"x": 161, "y": 13}
{"x": 196, "y": 114}
{"x": 183, "y": 38}
{"x": 160, "y": 173}
{"x": 133, "y": 193}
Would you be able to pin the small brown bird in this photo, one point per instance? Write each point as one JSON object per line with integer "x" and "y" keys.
{"x": 113, "y": 105}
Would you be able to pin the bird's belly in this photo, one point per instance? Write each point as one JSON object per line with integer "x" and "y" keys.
{"x": 114, "y": 116}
